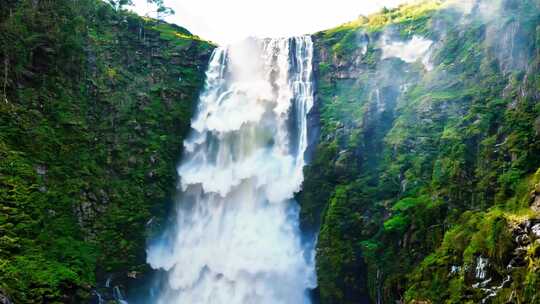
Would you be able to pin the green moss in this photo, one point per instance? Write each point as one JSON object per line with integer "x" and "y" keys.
{"x": 397, "y": 223}
{"x": 476, "y": 234}
{"x": 89, "y": 139}
{"x": 438, "y": 175}
{"x": 410, "y": 203}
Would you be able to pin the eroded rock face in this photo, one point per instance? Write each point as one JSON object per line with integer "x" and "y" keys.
{"x": 536, "y": 231}
{"x": 489, "y": 276}
{"x": 525, "y": 235}
{"x": 527, "y": 232}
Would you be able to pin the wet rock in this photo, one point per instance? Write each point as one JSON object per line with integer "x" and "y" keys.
{"x": 535, "y": 231}
{"x": 482, "y": 284}
{"x": 481, "y": 269}
{"x": 454, "y": 270}
{"x": 516, "y": 262}
{"x": 41, "y": 170}
{"x": 104, "y": 196}
{"x": 523, "y": 240}
{"x": 4, "y": 299}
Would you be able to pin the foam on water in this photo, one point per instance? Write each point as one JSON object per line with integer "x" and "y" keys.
{"x": 236, "y": 238}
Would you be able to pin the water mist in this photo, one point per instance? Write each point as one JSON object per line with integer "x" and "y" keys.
{"x": 236, "y": 238}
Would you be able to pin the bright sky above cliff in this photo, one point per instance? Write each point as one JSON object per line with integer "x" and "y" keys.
{"x": 225, "y": 21}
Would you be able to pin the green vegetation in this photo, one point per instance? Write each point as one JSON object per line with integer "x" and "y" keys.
{"x": 418, "y": 171}
{"x": 411, "y": 19}
{"x": 161, "y": 9}
{"x": 94, "y": 107}
{"x": 418, "y": 175}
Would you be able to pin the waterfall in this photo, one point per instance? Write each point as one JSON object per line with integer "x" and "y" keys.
{"x": 237, "y": 237}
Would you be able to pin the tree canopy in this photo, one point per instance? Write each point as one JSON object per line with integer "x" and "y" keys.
{"x": 162, "y": 11}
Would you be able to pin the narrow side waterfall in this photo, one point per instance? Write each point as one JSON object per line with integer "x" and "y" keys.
{"x": 237, "y": 238}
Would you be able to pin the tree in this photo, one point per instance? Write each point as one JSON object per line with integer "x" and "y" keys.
{"x": 162, "y": 11}
{"x": 118, "y": 4}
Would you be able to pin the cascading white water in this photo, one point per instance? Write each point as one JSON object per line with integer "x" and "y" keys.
{"x": 237, "y": 238}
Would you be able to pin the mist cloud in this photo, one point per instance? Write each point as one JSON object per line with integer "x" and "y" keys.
{"x": 409, "y": 51}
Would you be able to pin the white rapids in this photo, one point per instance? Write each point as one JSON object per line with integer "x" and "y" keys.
{"x": 237, "y": 237}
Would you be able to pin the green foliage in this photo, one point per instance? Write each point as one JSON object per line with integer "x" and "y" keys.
{"x": 442, "y": 171}
{"x": 338, "y": 257}
{"x": 486, "y": 234}
{"x": 409, "y": 203}
{"x": 91, "y": 123}
{"x": 161, "y": 10}
{"x": 397, "y": 223}
{"x": 406, "y": 14}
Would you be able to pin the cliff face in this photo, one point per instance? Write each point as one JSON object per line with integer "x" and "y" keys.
{"x": 94, "y": 107}
{"x": 423, "y": 180}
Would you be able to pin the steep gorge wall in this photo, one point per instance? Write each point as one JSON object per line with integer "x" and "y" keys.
{"x": 425, "y": 168}
{"x": 424, "y": 180}
{"x": 94, "y": 107}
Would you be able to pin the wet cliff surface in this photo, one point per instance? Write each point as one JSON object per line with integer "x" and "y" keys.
{"x": 95, "y": 105}
{"x": 423, "y": 180}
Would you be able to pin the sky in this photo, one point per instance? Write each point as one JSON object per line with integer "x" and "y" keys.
{"x": 227, "y": 21}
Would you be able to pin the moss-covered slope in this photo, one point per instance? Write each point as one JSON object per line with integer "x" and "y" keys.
{"x": 94, "y": 106}
{"x": 425, "y": 165}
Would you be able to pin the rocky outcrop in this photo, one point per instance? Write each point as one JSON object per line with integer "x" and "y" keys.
{"x": 534, "y": 201}
{"x": 491, "y": 279}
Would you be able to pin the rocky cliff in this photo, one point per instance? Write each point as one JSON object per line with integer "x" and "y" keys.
{"x": 94, "y": 106}
{"x": 423, "y": 181}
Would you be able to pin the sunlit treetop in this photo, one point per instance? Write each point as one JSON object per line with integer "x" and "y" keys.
{"x": 162, "y": 11}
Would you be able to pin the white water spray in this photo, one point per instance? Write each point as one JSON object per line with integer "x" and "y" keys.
{"x": 237, "y": 238}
